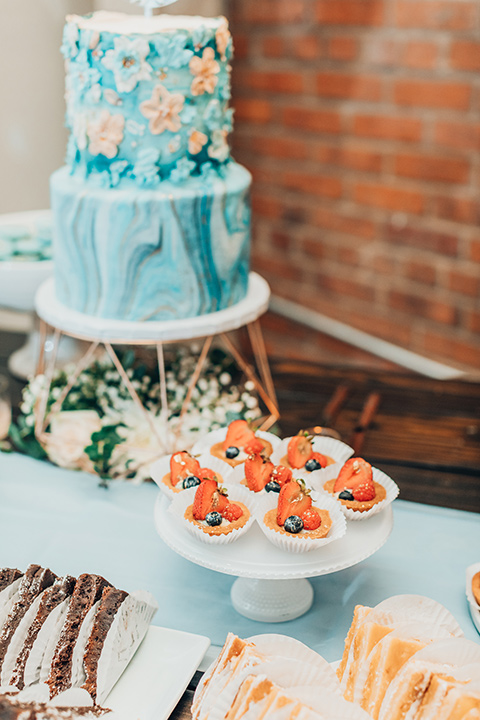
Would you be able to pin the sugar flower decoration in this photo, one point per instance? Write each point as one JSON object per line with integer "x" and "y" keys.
{"x": 182, "y": 171}
{"x": 219, "y": 149}
{"x": 222, "y": 38}
{"x": 162, "y": 110}
{"x": 205, "y": 69}
{"x": 127, "y": 62}
{"x": 106, "y": 134}
{"x": 196, "y": 142}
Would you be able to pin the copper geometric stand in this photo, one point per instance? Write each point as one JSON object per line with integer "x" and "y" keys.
{"x": 56, "y": 320}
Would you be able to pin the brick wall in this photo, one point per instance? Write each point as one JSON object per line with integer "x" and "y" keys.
{"x": 359, "y": 120}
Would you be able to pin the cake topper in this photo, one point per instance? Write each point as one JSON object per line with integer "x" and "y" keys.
{"x": 148, "y": 5}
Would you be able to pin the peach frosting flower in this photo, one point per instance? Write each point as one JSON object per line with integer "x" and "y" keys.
{"x": 106, "y": 134}
{"x": 205, "y": 69}
{"x": 196, "y": 142}
{"x": 163, "y": 110}
{"x": 222, "y": 37}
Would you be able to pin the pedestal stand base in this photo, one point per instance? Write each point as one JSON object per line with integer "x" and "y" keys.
{"x": 271, "y": 600}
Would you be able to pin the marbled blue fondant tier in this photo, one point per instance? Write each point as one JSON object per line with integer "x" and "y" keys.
{"x": 137, "y": 254}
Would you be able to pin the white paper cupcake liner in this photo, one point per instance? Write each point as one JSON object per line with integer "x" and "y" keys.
{"x": 455, "y": 652}
{"x": 296, "y": 543}
{"x": 235, "y": 493}
{"x": 380, "y": 477}
{"x": 215, "y": 436}
{"x": 409, "y": 608}
{"x": 277, "y": 645}
{"x": 162, "y": 467}
{"x": 327, "y": 704}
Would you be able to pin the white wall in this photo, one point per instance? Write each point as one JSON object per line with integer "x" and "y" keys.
{"x": 32, "y": 136}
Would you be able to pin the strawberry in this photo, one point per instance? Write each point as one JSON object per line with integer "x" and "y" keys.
{"x": 239, "y": 434}
{"x": 320, "y": 458}
{"x": 232, "y": 512}
{"x": 257, "y": 472}
{"x": 254, "y": 446}
{"x": 220, "y": 500}
{"x": 207, "y": 474}
{"x": 299, "y": 450}
{"x": 182, "y": 465}
{"x": 356, "y": 471}
{"x": 203, "y": 501}
{"x": 281, "y": 474}
{"x": 294, "y": 499}
{"x": 311, "y": 519}
{"x": 364, "y": 492}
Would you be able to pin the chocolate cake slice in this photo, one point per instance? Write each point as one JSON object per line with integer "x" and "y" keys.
{"x": 34, "y": 582}
{"x": 9, "y": 583}
{"x": 12, "y": 708}
{"x": 51, "y": 599}
{"x": 88, "y": 591}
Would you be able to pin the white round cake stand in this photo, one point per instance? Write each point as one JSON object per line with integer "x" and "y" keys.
{"x": 271, "y": 585}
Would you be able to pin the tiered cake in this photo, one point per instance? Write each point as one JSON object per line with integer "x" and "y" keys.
{"x": 151, "y": 214}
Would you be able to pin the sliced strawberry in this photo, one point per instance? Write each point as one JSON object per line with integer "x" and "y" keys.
{"x": 203, "y": 502}
{"x": 207, "y": 474}
{"x": 356, "y": 471}
{"x": 220, "y": 500}
{"x": 364, "y": 492}
{"x": 255, "y": 445}
{"x": 299, "y": 450}
{"x": 281, "y": 474}
{"x": 257, "y": 472}
{"x": 182, "y": 465}
{"x": 239, "y": 434}
{"x": 322, "y": 459}
{"x": 293, "y": 499}
{"x": 232, "y": 512}
{"x": 311, "y": 519}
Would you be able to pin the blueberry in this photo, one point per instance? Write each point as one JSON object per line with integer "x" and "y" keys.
{"x": 191, "y": 481}
{"x": 293, "y": 524}
{"x": 213, "y": 518}
{"x": 231, "y": 452}
{"x": 312, "y": 465}
{"x": 272, "y": 486}
{"x": 346, "y": 495}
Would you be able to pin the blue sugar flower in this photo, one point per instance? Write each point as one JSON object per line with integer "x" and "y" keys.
{"x": 127, "y": 62}
{"x": 172, "y": 52}
{"x": 182, "y": 171}
{"x": 145, "y": 169}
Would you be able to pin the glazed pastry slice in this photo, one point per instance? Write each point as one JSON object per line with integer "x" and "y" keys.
{"x": 32, "y": 584}
{"x": 88, "y": 591}
{"x": 120, "y": 625}
{"x": 34, "y": 642}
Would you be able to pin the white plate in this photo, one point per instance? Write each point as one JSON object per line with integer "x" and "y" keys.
{"x": 158, "y": 674}
{"x": 253, "y": 556}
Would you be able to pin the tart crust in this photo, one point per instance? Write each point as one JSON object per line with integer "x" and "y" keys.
{"x": 270, "y": 521}
{"x": 220, "y": 529}
{"x": 476, "y": 587}
{"x": 218, "y": 452}
{"x": 358, "y": 505}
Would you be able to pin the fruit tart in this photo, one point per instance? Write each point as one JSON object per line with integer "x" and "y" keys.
{"x": 310, "y": 453}
{"x": 260, "y": 475}
{"x": 294, "y": 523}
{"x": 212, "y": 513}
{"x": 360, "y": 489}
{"x": 181, "y": 471}
{"x": 236, "y": 442}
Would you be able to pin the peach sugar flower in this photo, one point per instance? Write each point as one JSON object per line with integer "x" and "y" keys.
{"x": 196, "y": 142}
{"x": 222, "y": 37}
{"x": 106, "y": 134}
{"x": 163, "y": 110}
{"x": 205, "y": 69}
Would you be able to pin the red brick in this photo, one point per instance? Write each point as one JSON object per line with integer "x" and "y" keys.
{"x": 281, "y": 240}
{"x": 314, "y": 247}
{"x": 280, "y": 147}
{"x": 340, "y": 222}
{"x": 475, "y": 251}
{"x": 424, "y": 306}
{"x": 352, "y": 86}
{"x": 320, "y": 121}
{"x": 253, "y": 110}
{"x": 461, "y": 135}
{"x": 458, "y": 209}
{"x": 269, "y": 11}
{"x": 266, "y": 205}
{"x": 464, "y": 283}
{"x": 420, "y": 55}
{"x": 342, "y": 287}
{"x": 435, "y": 14}
{"x": 272, "y": 46}
{"x": 420, "y": 238}
{"x": 421, "y": 93}
{"x": 367, "y": 13}
{"x": 350, "y": 156}
{"x": 275, "y": 268}
{"x": 383, "y": 264}
{"x": 420, "y": 272}
{"x": 307, "y": 47}
{"x": 437, "y": 169}
{"x": 390, "y": 198}
{"x": 465, "y": 55}
{"x": 342, "y": 47}
{"x": 388, "y": 128}
{"x": 459, "y": 351}
{"x": 323, "y": 185}
{"x": 241, "y": 46}
{"x": 283, "y": 82}
{"x": 473, "y": 322}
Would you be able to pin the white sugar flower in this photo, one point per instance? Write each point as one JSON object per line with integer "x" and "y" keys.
{"x": 127, "y": 62}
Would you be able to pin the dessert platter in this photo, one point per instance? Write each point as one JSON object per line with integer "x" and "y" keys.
{"x": 283, "y": 527}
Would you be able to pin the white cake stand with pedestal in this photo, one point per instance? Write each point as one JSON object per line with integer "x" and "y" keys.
{"x": 271, "y": 584}
{"x": 56, "y": 321}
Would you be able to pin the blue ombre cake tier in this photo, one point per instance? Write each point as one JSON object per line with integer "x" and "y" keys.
{"x": 162, "y": 254}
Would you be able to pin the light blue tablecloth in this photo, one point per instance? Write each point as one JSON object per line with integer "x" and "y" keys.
{"x": 63, "y": 520}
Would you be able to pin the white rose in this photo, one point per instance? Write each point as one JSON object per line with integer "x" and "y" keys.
{"x": 70, "y": 433}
